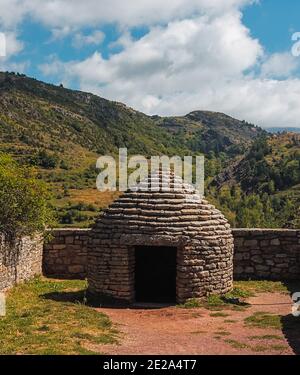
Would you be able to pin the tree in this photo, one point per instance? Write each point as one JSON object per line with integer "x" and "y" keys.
{"x": 24, "y": 200}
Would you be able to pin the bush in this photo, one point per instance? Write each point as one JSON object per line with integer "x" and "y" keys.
{"x": 24, "y": 200}
{"x": 44, "y": 160}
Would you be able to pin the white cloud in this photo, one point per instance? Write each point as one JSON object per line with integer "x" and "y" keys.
{"x": 61, "y": 32}
{"x": 280, "y": 65}
{"x": 13, "y": 45}
{"x": 197, "y": 55}
{"x": 78, "y": 13}
{"x": 80, "y": 40}
{"x": 191, "y": 64}
{"x": 13, "y": 67}
{"x": 173, "y": 69}
{"x": 11, "y": 13}
{"x": 10, "y": 45}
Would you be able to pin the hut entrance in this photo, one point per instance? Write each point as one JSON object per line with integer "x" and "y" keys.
{"x": 155, "y": 274}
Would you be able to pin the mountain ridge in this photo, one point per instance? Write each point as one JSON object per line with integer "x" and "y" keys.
{"x": 62, "y": 132}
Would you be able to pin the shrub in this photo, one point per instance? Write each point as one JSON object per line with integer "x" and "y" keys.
{"x": 24, "y": 200}
{"x": 44, "y": 160}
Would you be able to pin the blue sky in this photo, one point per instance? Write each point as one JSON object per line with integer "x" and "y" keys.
{"x": 170, "y": 58}
{"x": 273, "y": 22}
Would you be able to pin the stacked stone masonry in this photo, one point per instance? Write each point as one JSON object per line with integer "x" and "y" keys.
{"x": 20, "y": 260}
{"x": 179, "y": 218}
{"x": 258, "y": 253}
{"x": 65, "y": 256}
{"x": 272, "y": 254}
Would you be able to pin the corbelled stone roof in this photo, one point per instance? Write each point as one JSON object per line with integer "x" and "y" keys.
{"x": 180, "y": 209}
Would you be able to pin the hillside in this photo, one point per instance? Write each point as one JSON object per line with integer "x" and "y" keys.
{"x": 211, "y": 132}
{"x": 36, "y": 114}
{"x": 61, "y": 132}
{"x": 269, "y": 174}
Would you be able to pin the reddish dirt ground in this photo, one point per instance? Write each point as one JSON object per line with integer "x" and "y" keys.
{"x": 174, "y": 330}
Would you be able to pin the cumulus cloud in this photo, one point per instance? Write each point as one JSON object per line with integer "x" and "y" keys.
{"x": 80, "y": 40}
{"x": 9, "y": 45}
{"x": 197, "y": 55}
{"x": 173, "y": 68}
{"x": 190, "y": 64}
{"x": 280, "y": 65}
{"x": 13, "y": 44}
{"x": 78, "y": 13}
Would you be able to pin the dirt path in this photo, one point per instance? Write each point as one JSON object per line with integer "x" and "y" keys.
{"x": 173, "y": 330}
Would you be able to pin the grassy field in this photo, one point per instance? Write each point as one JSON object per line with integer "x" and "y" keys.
{"x": 47, "y": 316}
{"x": 235, "y": 300}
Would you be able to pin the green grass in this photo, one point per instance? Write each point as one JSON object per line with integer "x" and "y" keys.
{"x": 259, "y": 348}
{"x": 278, "y": 347}
{"x": 191, "y": 304}
{"x": 232, "y": 300}
{"x": 260, "y": 286}
{"x": 219, "y": 314}
{"x": 49, "y": 317}
{"x": 222, "y": 333}
{"x": 236, "y": 344}
{"x": 264, "y": 320}
{"x": 215, "y": 302}
{"x": 264, "y": 348}
{"x": 266, "y": 337}
{"x": 240, "y": 291}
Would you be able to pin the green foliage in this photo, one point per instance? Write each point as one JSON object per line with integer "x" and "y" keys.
{"x": 24, "y": 200}
{"x": 267, "y": 176}
{"x": 62, "y": 132}
{"x": 44, "y": 160}
{"x": 262, "y": 189}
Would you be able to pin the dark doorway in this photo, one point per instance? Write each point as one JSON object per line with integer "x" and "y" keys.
{"x": 155, "y": 274}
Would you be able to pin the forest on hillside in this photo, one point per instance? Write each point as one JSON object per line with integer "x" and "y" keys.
{"x": 251, "y": 175}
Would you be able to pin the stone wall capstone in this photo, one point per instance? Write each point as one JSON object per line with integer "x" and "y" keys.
{"x": 20, "y": 261}
{"x": 65, "y": 256}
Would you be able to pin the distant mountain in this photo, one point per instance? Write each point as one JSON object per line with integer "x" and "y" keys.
{"x": 36, "y": 115}
{"x": 283, "y": 130}
{"x": 211, "y": 132}
{"x": 61, "y": 132}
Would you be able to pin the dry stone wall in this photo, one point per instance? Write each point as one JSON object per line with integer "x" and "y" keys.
{"x": 65, "y": 256}
{"x": 258, "y": 253}
{"x": 20, "y": 261}
{"x": 266, "y": 254}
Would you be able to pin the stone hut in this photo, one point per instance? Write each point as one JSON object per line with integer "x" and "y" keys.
{"x": 160, "y": 246}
